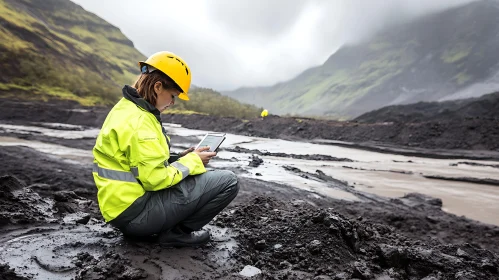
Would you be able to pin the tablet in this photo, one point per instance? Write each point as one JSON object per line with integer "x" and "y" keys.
{"x": 211, "y": 140}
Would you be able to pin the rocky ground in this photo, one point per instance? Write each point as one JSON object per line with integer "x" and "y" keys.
{"x": 50, "y": 225}
{"x": 284, "y": 232}
{"x": 473, "y": 135}
{"x": 428, "y": 137}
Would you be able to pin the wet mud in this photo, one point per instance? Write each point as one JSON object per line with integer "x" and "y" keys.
{"x": 52, "y": 111}
{"x": 486, "y": 181}
{"x": 468, "y": 138}
{"x": 463, "y": 135}
{"x": 8, "y": 273}
{"x": 390, "y": 170}
{"x": 297, "y": 241}
{"x": 51, "y": 228}
{"x": 316, "y": 157}
{"x": 284, "y": 232}
{"x": 476, "y": 164}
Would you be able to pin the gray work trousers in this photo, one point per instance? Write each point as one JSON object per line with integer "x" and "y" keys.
{"x": 191, "y": 204}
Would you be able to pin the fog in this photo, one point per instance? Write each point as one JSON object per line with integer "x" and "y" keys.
{"x": 230, "y": 44}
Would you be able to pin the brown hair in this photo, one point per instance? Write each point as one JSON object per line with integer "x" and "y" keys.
{"x": 145, "y": 85}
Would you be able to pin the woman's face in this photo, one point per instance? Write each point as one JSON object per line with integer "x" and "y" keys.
{"x": 165, "y": 98}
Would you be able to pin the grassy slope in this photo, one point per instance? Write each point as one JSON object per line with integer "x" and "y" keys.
{"x": 421, "y": 60}
{"x": 56, "y": 49}
{"x": 332, "y": 86}
{"x": 208, "y": 101}
{"x": 335, "y": 87}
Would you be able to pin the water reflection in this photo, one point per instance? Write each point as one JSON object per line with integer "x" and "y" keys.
{"x": 379, "y": 173}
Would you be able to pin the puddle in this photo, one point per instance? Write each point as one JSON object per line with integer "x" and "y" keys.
{"x": 183, "y": 263}
{"x": 52, "y": 132}
{"x": 70, "y": 154}
{"x": 473, "y": 200}
{"x": 52, "y": 249}
{"x": 49, "y": 252}
{"x": 271, "y": 170}
{"x": 63, "y": 126}
{"x": 225, "y": 244}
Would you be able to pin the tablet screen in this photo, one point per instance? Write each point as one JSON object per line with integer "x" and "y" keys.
{"x": 211, "y": 140}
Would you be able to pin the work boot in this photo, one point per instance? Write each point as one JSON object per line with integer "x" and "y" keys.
{"x": 178, "y": 238}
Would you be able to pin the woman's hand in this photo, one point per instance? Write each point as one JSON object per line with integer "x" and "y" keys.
{"x": 204, "y": 155}
{"x": 186, "y": 151}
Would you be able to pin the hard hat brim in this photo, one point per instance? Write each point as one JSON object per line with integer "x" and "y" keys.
{"x": 182, "y": 95}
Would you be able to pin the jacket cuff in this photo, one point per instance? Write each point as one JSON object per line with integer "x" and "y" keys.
{"x": 194, "y": 163}
{"x": 173, "y": 157}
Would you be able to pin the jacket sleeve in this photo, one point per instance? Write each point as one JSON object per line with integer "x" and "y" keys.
{"x": 149, "y": 160}
{"x": 173, "y": 157}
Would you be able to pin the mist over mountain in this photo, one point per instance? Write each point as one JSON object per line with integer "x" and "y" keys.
{"x": 446, "y": 55}
{"x": 56, "y": 50}
{"x": 231, "y": 44}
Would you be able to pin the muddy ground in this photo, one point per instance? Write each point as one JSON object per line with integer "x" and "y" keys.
{"x": 427, "y": 138}
{"x": 51, "y": 228}
{"x": 473, "y": 136}
{"x": 284, "y": 232}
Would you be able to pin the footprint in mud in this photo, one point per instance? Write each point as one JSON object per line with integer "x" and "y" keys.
{"x": 49, "y": 252}
{"x": 224, "y": 244}
{"x": 183, "y": 263}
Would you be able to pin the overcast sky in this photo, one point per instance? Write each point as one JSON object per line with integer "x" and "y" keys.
{"x": 234, "y": 43}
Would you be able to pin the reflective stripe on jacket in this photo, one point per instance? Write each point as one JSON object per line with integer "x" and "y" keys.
{"x": 131, "y": 157}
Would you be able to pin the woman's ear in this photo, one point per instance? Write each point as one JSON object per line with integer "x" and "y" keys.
{"x": 158, "y": 87}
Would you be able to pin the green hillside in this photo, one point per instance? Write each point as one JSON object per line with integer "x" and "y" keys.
{"x": 208, "y": 101}
{"x": 56, "y": 49}
{"x": 424, "y": 60}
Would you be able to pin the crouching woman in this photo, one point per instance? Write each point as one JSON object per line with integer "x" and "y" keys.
{"x": 143, "y": 189}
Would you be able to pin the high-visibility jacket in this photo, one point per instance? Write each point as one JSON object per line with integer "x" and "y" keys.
{"x": 131, "y": 157}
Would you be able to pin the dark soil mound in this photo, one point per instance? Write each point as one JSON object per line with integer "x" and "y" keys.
{"x": 404, "y": 238}
{"x": 7, "y": 273}
{"x": 111, "y": 266}
{"x": 479, "y": 132}
{"x": 55, "y": 111}
{"x": 485, "y": 107}
{"x": 46, "y": 175}
{"x": 289, "y": 241}
{"x": 464, "y": 134}
{"x": 417, "y": 220}
{"x": 19, "y": 204}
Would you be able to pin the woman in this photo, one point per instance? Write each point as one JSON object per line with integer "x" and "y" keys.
{"x": 143, "y": 189}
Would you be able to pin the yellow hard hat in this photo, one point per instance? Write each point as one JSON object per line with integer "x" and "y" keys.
{"x": 264, "y": 113}
{"x": 174, "y": 67}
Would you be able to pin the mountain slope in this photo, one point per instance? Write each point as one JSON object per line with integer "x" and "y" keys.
{"x": 470, "y": 126}
{"x": 424, "y": 60}
{"x": 208, "y": 101}
{"x": 485, "y": 108}
{"x": 56, "y": 49}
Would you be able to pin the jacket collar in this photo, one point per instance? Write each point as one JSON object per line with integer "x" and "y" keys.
{"x": 131, "y": 94}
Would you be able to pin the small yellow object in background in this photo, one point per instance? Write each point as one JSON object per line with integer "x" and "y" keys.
{"x": 264, "y": 113}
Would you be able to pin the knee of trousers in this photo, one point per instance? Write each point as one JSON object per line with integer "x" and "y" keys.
{"x": 232, "y": 181}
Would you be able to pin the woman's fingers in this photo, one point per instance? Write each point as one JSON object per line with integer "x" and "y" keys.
{"x": 210, "y": 154}
{"x": 205, "y": 155}
{"x": 202, "y": 149}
